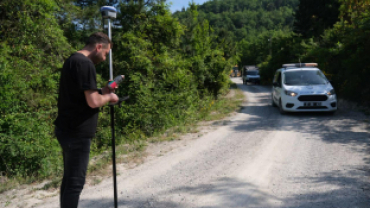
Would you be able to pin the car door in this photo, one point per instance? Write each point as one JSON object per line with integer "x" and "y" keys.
{"x": 277, "y": 89}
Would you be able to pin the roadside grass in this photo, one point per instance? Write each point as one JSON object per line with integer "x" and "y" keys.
{"x": 224, "y": 106}
{"x": 16, "y": 182}
{"x": 8, "y": 184}
{"x": 132, "y": 152}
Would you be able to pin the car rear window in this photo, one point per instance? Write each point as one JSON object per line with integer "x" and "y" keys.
{"x": 304, "y": 77}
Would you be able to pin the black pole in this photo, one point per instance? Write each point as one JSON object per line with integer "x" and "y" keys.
{"x": 114, "y": 155}
{"x": 109, "y": 12}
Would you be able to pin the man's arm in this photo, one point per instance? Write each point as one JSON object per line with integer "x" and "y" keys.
{"x": 96, "y": 100}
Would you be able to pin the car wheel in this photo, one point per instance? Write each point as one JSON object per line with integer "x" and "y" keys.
{"x": 272, "y": 102}
{"x": 281, "y": 108}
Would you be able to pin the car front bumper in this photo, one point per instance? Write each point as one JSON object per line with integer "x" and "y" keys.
{"x": 293, "y": 104}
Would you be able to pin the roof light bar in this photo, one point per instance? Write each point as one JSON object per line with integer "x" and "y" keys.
{"x": 300, "y": 65}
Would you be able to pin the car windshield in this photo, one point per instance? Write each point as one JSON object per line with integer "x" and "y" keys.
{"x": 252, "y": 72}
{"x": 305, "y": 77}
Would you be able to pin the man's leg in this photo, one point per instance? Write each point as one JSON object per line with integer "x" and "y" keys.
{"x": 62, "y": 187}
{"x": 76, "y": 159}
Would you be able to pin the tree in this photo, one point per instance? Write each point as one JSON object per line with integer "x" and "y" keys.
{"x": 313, "y": 17}
{"x": 254, "y": 16}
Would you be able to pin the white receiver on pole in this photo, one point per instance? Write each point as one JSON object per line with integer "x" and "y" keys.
{"x": 109, "y": 12}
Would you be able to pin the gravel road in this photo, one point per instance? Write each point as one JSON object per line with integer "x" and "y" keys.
{"x": 257, "y": 158}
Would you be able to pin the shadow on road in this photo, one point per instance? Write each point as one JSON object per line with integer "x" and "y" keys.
{"x": 124, "y": 202}
{"x": 233, "y": 193}
{"x": 228, "y": 192}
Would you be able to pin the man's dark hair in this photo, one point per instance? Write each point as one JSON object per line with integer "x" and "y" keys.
{"x": 99, "y": 37}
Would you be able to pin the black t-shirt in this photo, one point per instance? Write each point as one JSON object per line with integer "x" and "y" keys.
{"x": 75, "y": 117}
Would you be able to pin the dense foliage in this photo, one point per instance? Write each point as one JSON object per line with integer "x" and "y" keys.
{"x": 173, "y": 72}
{"x": 246, "y": 19}
{"x": 32, "y": 49}
{"x": 313, "y": 17}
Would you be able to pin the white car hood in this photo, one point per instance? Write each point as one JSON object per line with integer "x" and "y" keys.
{"x": 310, "y": 89}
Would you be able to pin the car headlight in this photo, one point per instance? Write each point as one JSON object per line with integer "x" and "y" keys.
{"x": 291, "y": 93}
{"x": 331, "y": 92}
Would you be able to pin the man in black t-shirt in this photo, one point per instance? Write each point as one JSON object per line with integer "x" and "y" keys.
{"x": 78, "y": 107}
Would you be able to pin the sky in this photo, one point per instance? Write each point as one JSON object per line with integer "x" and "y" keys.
{"x": 178, "y": 4}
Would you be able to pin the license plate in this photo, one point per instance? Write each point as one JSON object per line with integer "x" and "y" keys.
{"x": 312, "y": 104}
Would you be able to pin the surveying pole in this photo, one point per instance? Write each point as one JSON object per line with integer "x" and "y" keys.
{"x": 109, "y": 12}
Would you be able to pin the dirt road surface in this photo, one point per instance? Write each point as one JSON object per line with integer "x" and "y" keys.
{"x": 256, "y": 158}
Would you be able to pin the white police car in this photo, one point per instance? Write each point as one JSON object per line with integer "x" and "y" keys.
{"x": 302, "y": 87}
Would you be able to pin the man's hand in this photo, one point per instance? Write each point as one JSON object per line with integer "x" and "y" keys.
{"x": 113, "y": 98}
{"x": 105, "y": 90}
{"x": 95, "y": 100}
